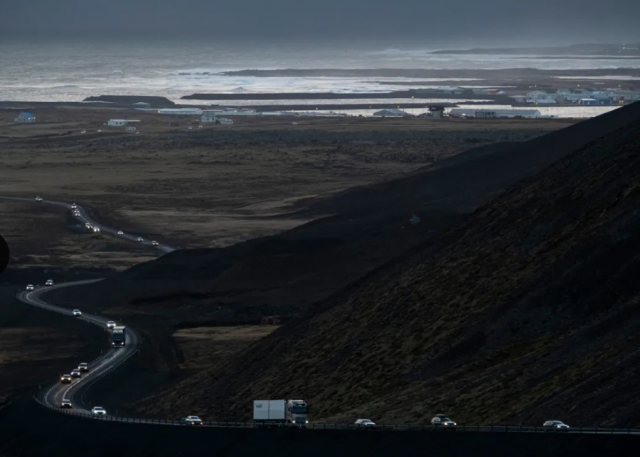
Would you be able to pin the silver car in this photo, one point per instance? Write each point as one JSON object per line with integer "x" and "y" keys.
{"x": 442, "y": 421}
{"x": 364, "y": 423}
{"x": 555, "y": 426}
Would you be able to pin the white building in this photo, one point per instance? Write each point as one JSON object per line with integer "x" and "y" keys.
{"x": 117, "y": 122}
{"x": 537, "y": 96}
{"x": 225, "y": 121}
{"x": 181, "y": 111}
{"x": 25, "y": 118}
{"x": 209, "y": 116}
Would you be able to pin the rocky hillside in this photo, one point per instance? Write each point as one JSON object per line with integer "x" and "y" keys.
{"x": 528, "y": 310}
{"x": 285, "y": 273}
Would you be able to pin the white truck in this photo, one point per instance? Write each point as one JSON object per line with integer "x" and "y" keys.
{"x": 276, "y": 413}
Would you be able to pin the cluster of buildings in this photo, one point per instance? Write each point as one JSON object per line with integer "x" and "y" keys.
{"x": 576, "y": 96}
{"x": 588, "y": 97}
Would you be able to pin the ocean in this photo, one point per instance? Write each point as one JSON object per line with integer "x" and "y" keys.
{"x": 72, "y": 71}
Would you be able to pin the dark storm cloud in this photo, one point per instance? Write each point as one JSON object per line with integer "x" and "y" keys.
{"x": 517, "y": 20}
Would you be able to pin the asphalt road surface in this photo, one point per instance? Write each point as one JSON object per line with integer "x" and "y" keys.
{"x": 53, "y": 395}
{"x": 83, "y": 218}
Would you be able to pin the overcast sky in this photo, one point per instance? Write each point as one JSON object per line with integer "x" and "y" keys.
{"x": 506, "y": 21}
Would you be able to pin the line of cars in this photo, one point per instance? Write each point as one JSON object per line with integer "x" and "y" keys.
{"x": 77, "y": 373}
{"x": 95, "y": 229}
{"x": 441, "y": 421}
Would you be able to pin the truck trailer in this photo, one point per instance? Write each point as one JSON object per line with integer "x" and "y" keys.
{"x": 276, "y": 413}
{"x": 118, "y": 337}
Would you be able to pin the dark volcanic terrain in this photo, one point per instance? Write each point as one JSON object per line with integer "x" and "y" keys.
{"x": 285, "y": 273}
{"x": 527, "y": 310}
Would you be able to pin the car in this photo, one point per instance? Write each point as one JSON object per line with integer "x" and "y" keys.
{"x": 111, "y": 324}
{"x": 191, "y": 420}
{"x": 120, "y": 232}
{"x": 76, "y": 373}
{"x": 30, "y": 287}
{"x": 154, "y": 243}
{"x": 49, "y": 282}
{"x": 66, "y": 403}
{"x": 140, "y": 239}
{"x": 442, "y": 421}
{"x": 73, "y": 206}
{"x": 555, "y": 425}
{"x": 83, "y": 367}
{"x": 96, "y": 230}
{"x": 76, "y": 213}
{"x": 65, "y": 379}
{"x": 38, "y": 199}
{"x": 98, "y": 411}
{"x": 363, "y": 423}
{"x": 87, "y": 225}
{"x": 76, "y": 312}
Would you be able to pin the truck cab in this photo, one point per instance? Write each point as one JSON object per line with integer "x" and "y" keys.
{"x": 118, "y": 337}
{"x": 297, "y": 412}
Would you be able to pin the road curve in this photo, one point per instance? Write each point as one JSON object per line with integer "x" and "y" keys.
{"x": 84, "y": 218}
{"x": 110, "y": 359}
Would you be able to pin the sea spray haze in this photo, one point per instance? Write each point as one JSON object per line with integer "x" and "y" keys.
{"x": 71, "y": 70}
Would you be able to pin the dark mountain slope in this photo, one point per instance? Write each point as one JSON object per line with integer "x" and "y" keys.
{"x": 284, "y": 273}
{"x": 528, "y": 310}
{"x": 465, "y": 180}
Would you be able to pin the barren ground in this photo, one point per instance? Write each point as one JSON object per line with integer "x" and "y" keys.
{"x": 206, "y": 187}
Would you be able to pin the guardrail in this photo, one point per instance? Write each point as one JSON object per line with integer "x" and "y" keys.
{"x": 326, "y": 426}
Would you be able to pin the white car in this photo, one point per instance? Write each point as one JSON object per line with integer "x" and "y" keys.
{"x": 76, "y": 373}
{"x": 111, "y": 324}
{"x": 364, "y": 423}
{"x": 49, "y": 282}
{"x": 140, "y": 239}
{"x": 30, "y": 287}
{"x": 556, "y": 425}
{"x": 120, "y": 232}
{"x": 38, "y": 199}
{"x": 442, "y": 421}
{"x": 76, "y": 312}
{"x": 74, "y": 206}
{"x": 98, "y": 411}
{"x": 84, "y": 367}
{"x": 154, "y": 243}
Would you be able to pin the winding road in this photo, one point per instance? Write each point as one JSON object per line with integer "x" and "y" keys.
{"x": 52, "y": 395}
{"x": 84, "y": 218}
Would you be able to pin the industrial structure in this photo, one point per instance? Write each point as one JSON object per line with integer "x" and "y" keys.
{"x": 25, "y": 118}
{"x": 495, "y": 113}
